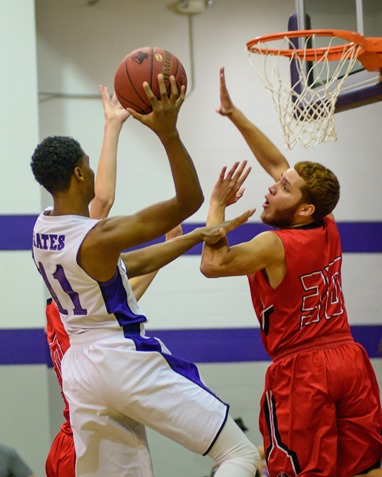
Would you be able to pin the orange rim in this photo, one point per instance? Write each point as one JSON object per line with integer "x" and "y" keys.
{"x": 370, "y": 46}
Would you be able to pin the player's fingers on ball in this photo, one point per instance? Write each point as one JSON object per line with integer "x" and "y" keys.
{"x": 181, "y": 97}
{"x": 174, "y": 87}
{"x": 162, "y": 86}
{"x": 149, "y": 93}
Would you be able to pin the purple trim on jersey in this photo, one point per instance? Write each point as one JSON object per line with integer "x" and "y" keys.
{"x": 180, "y": 366}
{"x": 191, "y": 372}
{"x": 356, "y": 237}
{"x": 29, "y": 346}
{"x": 115, "y": 298}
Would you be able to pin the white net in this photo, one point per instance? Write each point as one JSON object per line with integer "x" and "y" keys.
{"x": 305, "y": 100}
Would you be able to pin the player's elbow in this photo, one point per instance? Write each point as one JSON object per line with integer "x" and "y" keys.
{"x": 192, "y": 205}
{"x": 208, "y": 269}
{"x": 198, "y": 201}
{"x": 101, "y": 205}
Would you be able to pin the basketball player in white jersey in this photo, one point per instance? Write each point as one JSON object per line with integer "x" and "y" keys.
{"x": 116, "y": 378}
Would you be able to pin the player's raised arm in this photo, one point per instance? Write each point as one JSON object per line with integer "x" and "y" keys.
{"x": 102, "y": 246}
{"x": 266, "y": 153}
{"x": 219, "y": 259}
{"x": 154, "y": 257}
{"x": 163, "y": 122}
{"x": 105, "y": 181}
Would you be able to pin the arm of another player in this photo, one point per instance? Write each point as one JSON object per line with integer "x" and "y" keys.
{"x": 105, "y": 182}
{"x": 154, "y": 257}
{"x": 266, "y": 153}
{"x": 219, "y": 259}
{"x": 141, "y": 283}
{"x": 227, "y": 191}
{"x": 263, "y": 252}
{"x": 102, "y": 246}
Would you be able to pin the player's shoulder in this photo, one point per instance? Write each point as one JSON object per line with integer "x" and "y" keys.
{"x": 268, "y": 238}
{"x": 269, "y": 244}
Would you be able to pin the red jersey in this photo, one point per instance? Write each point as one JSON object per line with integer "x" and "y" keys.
{"x": 308, "y": 304}
{"x": 58, "y": 341}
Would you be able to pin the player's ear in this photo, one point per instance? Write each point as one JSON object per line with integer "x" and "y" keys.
{"x": 307, "y": 210}
{"x": 78, "y": 174}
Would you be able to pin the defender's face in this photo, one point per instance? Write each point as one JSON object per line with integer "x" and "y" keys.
{"x": 283, "y": 200}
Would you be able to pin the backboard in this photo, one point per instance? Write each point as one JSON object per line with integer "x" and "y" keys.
{"x": 362, "y": 16}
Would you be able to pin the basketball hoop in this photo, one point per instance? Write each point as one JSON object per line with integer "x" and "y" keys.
{"x": 320, "y": 66}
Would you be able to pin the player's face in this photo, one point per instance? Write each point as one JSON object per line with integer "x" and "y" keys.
{"x": 88, "y": 174}
{"x": 283, "y": 201}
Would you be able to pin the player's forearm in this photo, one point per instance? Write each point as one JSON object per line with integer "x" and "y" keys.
{"x": 212, "y": 258}
{"x": 216, "y": 213}
{"x": 154, "y": 257}
{"x": 105, "y": 182}
{"x": 189, "y": 195}
{"x": 211, "y": 254}
{"x": 266, "y": 153}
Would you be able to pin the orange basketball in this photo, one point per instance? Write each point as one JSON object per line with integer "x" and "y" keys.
{"x": 144, "y": 64}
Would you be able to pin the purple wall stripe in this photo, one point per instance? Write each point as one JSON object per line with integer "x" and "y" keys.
{"x": 28, "y": 346}
{"x": 357, "y": 237}
{"x": 23, "y": 346}
{"x": 16, "y": 232}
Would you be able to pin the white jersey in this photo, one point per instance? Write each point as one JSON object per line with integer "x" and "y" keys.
{"x": 117, "y": 383}
{"x": 83, "y": 302}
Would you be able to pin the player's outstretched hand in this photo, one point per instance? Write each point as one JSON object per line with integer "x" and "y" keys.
{"x": 113, "y": 110}
{"x": 212, "y": 234}
{"x": 162, "y": 120}
{"x": 229, "y": 186}
{"x": 226, "y": 105}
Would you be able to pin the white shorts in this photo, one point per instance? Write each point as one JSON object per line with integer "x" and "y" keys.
{"x": 116, "y": 385}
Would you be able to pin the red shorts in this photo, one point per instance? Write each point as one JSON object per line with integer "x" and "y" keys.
{"x": 321, "y": 413}
{"x": 62, "y": 457}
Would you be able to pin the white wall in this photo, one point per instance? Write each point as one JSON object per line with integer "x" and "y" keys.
{"x": 24, "y": 392}
{"x": 79, "y": 47}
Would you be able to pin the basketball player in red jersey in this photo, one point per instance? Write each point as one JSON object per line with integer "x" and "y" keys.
{"x": 320, "y": 411}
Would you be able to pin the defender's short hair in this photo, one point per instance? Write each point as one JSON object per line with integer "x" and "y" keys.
{"x": 321, "y": 187}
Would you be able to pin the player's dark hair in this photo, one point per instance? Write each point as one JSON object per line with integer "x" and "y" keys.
{"x": 54, "y": 160}
{"x": 321, "y": 187}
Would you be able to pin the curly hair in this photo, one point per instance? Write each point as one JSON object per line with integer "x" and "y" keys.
{"x": 321, "y": 187}
{"x": 54, "y": 160}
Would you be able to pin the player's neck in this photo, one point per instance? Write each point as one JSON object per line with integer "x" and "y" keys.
{"x": 65, "y": 206}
